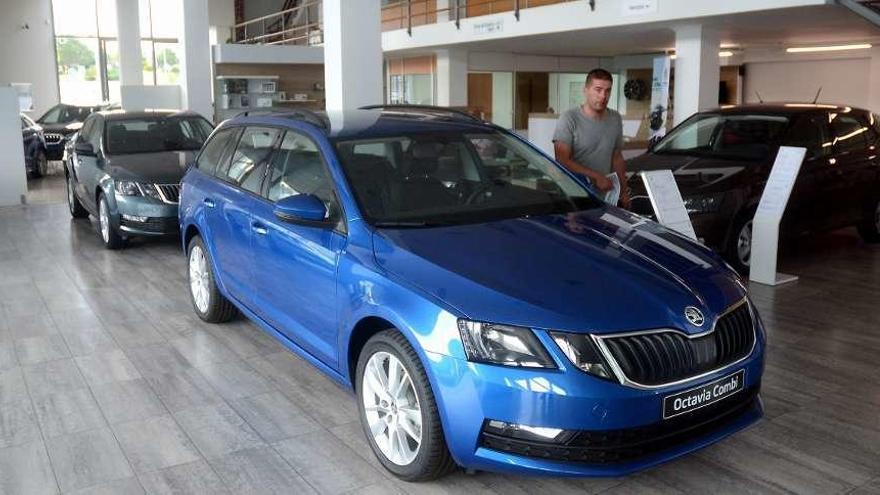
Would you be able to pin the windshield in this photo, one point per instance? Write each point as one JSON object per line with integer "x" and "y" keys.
{"x": 750, "y": 137}
{"x": 155, "y": 134}
{"x": 63, "y": 114}
{"x": 454, "y": 178}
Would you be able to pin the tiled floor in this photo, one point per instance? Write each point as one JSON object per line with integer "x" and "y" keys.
{"x": 109, "y": 384}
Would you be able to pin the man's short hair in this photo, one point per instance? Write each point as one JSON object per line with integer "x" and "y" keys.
{"x": 598, "y": 74}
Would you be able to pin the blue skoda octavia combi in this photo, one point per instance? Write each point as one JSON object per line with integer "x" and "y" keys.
{"x": 485, "y": 307}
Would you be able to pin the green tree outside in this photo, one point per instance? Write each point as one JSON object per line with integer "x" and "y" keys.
{"x": 72, "y": 53}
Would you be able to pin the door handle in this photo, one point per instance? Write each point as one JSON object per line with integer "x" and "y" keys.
{"x": 208, "y": 202}
{"x": 259, "y": 229}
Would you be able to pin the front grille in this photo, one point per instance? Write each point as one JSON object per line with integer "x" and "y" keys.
{"x": 170, "y": 192}
{"x": 604, "y": 447}
{"x": 53, "y": 138}
{"x": 157, "y": 225}
{"x": 668, "y": 356}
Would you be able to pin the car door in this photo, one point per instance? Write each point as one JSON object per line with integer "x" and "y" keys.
{"x": 228, "y": 210}
{"x": 296, "y": 264}
{"x": 805, "y": 211}
{"x": 88, "y": 166}
{"x": 850, "y": 155}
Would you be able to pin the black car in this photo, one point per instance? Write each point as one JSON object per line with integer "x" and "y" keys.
{"x": 721, "y": 160}
{"x": 35, "y": 161}
{"x": 59, "y": 122}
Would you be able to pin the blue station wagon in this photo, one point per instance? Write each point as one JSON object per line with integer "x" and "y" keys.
{"x": 485, "y": 307}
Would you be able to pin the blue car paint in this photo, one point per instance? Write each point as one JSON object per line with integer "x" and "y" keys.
{"x": 513, "y": 272}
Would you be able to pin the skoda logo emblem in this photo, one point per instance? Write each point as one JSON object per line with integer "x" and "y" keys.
{"x": 694, "y": 316}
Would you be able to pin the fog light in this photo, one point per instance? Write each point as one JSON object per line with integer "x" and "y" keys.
{"x": 523, "y": 432}
{"x": 133, "y": 218}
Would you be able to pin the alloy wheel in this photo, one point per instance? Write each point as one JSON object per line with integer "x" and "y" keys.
{"x": 43, "y": 164}
{"x": 70, "y": 197}
{"x": 199, "y": 280}
{"x": 392, "y": 408}
{"x": 104, "y": 220}
{"x": 744, "y": 244}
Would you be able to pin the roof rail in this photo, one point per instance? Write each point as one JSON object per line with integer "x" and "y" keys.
{"x": 426, "y": 109}
{"x": 314, "y": 118}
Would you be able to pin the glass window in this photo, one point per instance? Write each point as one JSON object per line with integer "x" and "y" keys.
{"x": 168, "y": 57}
{"x": 248, "y": 163}
{"x": 156, "y": 134}
{"x": 24, "y": 124}
{"x": 165, "y": 17}
{"x": 107, "y": 24}
{"x": 94, "y": 134}
{"x": 849, "y": 133}
{"x": 147, "y": 58}
{"x": 808, "y": 132}
{"x": 749, "y": 137}
{"x": 213, "y": 151}
{"x": 75, "y": 18}
{"x": 298, "y": 168}
{"x": 78, "y": 74}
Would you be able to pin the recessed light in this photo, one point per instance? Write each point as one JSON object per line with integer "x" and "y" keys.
{"x": 829, "y": 48}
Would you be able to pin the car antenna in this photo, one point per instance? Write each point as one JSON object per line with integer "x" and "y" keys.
{"x": 760, "y": 100}
{"x": 817, "y": 95}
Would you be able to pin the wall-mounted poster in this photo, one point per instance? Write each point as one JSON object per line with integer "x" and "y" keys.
{"x": 659, "y": 99}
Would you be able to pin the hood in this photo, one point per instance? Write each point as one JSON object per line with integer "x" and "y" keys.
{"x": 166, "y": 167}
{"x": 602, "y": 270}
{"x": 693, "y": 174}
{"x": 60, "y": 128}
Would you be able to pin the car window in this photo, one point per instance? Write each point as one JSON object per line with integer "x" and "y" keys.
{"x": 83, "y": 134}
{"x": 298, "y": 168}
{"x": 248, "y": 164}
{"x": 848, "y": 133}
{"x": 155, "y": 134}
{"x": 52, "y": 116}
{"x": 24, "y": 124}
{"x": 809, "y": 132}
{"x": 94, "y": 135}
{"x": 746, "y": 136}
{"x": 210, "y": 155}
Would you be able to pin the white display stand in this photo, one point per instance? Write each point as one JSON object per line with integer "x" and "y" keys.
{"x": 666, "y": 200}
{"x": 541, "y": 129}
{"x": 13, "y": 179}
{"x": 765, "y": 226}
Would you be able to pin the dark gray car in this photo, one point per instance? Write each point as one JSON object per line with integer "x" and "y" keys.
{"x": 125, "y": 169}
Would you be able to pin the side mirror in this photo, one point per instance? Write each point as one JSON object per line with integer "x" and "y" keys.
{"x": 303, "y": 209}
{"x": 84, "y": 148}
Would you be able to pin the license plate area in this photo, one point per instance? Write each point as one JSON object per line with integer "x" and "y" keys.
{"x": 699, "y": 397}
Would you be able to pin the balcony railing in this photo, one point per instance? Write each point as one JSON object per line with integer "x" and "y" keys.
{"x": 298, "y": 25}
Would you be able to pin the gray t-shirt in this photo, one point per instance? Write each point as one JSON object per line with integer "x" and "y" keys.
{"x": 592, "y": 141}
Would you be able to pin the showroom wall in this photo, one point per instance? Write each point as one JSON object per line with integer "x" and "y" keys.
{"x": 842, "y": 81}
{"x": 27, "y": 49}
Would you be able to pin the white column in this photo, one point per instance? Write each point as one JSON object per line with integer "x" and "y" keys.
{"x": 131, "y": 70}
{"x": 697, "y": 70}
{"x": 452, "y": 66}
{"x": 874, "y": 81}
{"x": 195, "y": 73}
{"x": 352, "y": 54}
{"x": 13, "y": 182}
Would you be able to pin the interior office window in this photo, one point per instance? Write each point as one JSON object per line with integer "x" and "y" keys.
{"x": 249, "y": 160}
{"x": 298, "y": 168}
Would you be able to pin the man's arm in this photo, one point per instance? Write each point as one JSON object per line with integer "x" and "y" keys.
{"x": 618, "y": 164}
{"x": 563, "y": 156}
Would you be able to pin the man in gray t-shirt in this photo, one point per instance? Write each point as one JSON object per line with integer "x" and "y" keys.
{"x": 588, "y": 139}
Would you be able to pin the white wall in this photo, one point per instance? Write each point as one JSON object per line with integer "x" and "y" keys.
{"x": 28, "y": 55}
{"x": 13, "y": 183}
{"x": 502, "y": 62}
{"x": 842, "y": 81}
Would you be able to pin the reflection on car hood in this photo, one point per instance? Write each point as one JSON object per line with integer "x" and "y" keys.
{"x": 165, "y": 167}
{"x": 693, "y": 174}
{"x": 600, "y": 270}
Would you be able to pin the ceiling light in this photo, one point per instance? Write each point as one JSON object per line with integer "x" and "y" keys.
{"x": 829, "y": 48}
{"x": 725, "y": 53}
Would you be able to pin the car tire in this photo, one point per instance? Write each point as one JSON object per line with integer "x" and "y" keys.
{"x": 42, "y": 167}
{"x": 869, "y": 228}
{"x": 109, "y": 234}
{"x": 431, "y": 458}
{"x": 207, "y": 301}
{"x": 76, "y": 208}
{"x": 738, "y": 250}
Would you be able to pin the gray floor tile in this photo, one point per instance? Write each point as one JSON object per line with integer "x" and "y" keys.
{"x": 183, "y": 390}
{"x": 86, "y": 459}
{"x": 25, "y": 469}
{"x": 195, "y": 478}
{"x": 132, "y": 333}
{"x": 274, "y": 416}
{"x": 217, "y": 430}
{"x": 158, "y": 359}
{"x": 68, "y": 412}
{"x": 35, "y": 350}
{"x": 17, "y": 424}
{"x": 235, "y": 379}
{"x": 52, "y": 377}
{"x": 38, "y": 325}
{"x": 326, "y": 463}
{"x": 201, "y": 348}
{"x": 109, "y": 367}
{"x": 259, "y": 470}
{"x": 128, "y": 401}
{"x": 7, "y": 355}
{"x": 155, "y": 443}
{"x": 86, "y": 341}
{"x": 127, "y": 486}
{"x": 245, "y": 339}
{"x": 12, "y": 386}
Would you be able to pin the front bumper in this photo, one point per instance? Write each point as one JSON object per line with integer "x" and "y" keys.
{"x": 139, "y": 216}
{"x": 593, "y": 410}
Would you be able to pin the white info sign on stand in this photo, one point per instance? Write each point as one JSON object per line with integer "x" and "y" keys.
{"x": 765, "y": 226}
{"x": 666, "y": 200}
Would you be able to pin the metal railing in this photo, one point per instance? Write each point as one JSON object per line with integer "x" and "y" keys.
{"x": 293, "y": 26}
{"x": 406, "y": 14}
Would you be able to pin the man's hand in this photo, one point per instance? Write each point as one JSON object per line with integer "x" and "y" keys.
{"x": 625, "y": 200}
{"x": 603, "y": 183}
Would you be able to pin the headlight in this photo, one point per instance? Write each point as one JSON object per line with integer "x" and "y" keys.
{"x": 127, "y": 188}
{"x": 503, "y": 344}
{"x": 150, "y": 191}
{"x": 582, "y": 352}
{"x": 703, "y": 204}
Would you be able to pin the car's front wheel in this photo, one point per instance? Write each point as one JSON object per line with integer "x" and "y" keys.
{"x": 42, "y": 164}
{"x": 398, "y": 411}
{"x": 739, "y": 246}
{"x": 76, "y": 208}
{"x": 206, "y": 298}
{"x": 109, "y": 234}
{"x": 869, "y": 229}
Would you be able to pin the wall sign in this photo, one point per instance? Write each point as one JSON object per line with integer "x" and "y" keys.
{"x": 638, "y": 7}
{"x": 489, "y": 27}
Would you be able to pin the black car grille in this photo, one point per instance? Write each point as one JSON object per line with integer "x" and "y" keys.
{"x": 53, "y": 138}
{"x": 663, "y": 357}
{"x": 157, "y": 225}
{"x": 170, "y": 192}
{"x": 604, "y": 447}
